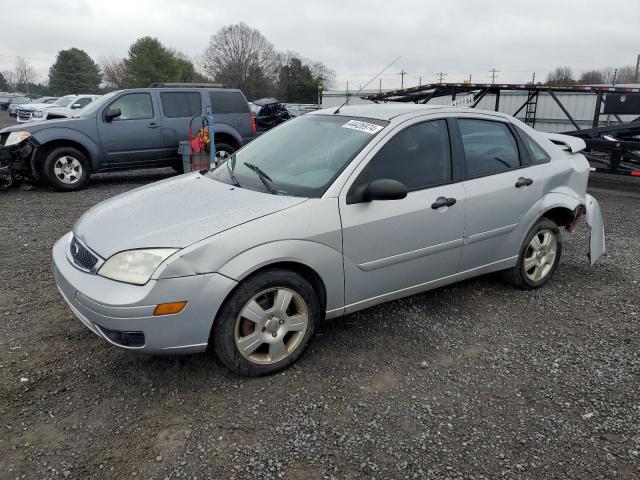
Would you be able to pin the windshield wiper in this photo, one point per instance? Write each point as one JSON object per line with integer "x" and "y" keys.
{"x": 264, "y": 178}
{"x": 230, "y": 169}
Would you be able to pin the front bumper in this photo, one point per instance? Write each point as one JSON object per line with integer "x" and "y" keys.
{"x": 105, "y": 306}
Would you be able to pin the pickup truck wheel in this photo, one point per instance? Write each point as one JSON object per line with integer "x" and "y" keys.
{"x": 66, "y": 169}
{"x": 266, "y": 323}
{"x": 539, "y": 256}
{"x": 223, "y": 151}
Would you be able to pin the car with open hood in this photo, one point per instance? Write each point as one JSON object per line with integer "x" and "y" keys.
{"x": 327, "y": 214}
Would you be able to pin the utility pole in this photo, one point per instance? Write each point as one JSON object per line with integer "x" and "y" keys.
{"x": 613, "y": 80}
{"x": 380, "y": 88}
{"x": 533, "y": 78}
{"x": 420, "y": 80}
{"x": 347, "y": 92}
{"x": 440, "y": 75}
{"x": 402, "y": 74}
{"x": 493, "y": 72}
{"x": 469, "y": 78}
{"x": 638, "y": 69}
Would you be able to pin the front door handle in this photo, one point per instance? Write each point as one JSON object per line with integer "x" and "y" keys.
{"x": 523, "y": 182}
{"x": 153, "y": 125}
{"x": 443, "y": 202}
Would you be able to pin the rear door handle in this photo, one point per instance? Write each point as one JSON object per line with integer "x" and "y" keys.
{"x": 153, "y": 125}
{"x": 443, "y": 202}
{"x": 523, "y": 182}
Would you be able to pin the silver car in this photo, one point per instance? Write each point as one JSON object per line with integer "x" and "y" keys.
{"x": 325, "y": 215}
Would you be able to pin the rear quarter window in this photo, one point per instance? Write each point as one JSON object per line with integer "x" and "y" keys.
{"x": 228, "y": 102}
{"x": 536, "y": 152}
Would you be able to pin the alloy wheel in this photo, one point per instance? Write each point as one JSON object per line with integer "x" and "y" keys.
{"x": 271, "y": 325}
{"x": 540, "y": 255}
{"x": 67, "y": 169}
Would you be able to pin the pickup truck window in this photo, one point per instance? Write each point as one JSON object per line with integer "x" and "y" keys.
{"x": 134, "y": 106}
{"x": 181, "y": 104}
{"x": 228, "y": 102}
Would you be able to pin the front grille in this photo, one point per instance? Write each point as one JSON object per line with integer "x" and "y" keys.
{"x": 81, "y": 256}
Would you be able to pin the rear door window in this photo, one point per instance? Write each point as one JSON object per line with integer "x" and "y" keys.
{"x": 228, "y": 102}
{"x": 181, "y": 104}
{"x": 489, "y": 147}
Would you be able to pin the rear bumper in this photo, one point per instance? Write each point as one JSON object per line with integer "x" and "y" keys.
{"x": 105, "y": 306}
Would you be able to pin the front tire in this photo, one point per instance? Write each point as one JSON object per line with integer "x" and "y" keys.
{"x": 539, "y": 256}
{"x": 223, "y": 152}
{"x": 66, "y": 169}
{"x": 266, "y": 323}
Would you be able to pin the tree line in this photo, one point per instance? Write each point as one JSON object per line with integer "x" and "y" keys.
{"x": 236, "y": 55}
{"x": 564, "y": 75}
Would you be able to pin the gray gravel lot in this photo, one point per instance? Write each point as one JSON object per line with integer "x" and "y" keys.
{"x": 476, "y": 380}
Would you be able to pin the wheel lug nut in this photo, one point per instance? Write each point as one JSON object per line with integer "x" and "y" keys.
{"x": 281, "y": 322}
{"x": 274, "y": 334}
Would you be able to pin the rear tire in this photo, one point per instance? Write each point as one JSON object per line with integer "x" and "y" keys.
{"x": 539, "y": 256}
{"x": 223, "y": 151}
{"x": 266, "y": 323}
{"x": 66, "y": 169}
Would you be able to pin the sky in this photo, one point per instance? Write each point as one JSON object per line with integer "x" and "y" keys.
{"x": 355, "y": 38}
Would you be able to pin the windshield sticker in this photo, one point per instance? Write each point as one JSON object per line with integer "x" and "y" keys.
{"x": 369, "y": 128}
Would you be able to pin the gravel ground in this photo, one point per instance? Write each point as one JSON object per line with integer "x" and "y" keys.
{"x": 475, "y": 380}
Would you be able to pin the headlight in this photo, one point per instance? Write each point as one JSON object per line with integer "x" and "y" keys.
{"x": 36, "y": 113}
{"x": 16, "y": 137}
{"x": 135, "y": 266}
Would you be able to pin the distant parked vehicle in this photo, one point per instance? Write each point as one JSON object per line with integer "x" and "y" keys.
{"x": 127, "y": 129}
{"x": 269, "y": 112}
{"x": 7, "y": 99}
{"x": 65, "y": 107}
{"x": 25, "y": 111}
{"x": 15, "y": 102}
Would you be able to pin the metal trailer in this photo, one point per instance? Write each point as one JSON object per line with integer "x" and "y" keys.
{"x": 610, "y": 148}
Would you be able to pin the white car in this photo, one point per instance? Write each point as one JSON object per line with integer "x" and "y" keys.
{"x": 64, "y": 107}
{"x": 24, "y": 111}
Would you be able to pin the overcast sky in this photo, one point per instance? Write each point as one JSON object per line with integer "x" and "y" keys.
{"x": 354, "y": 38}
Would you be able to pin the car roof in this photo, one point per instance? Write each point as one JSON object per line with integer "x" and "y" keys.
{"x": 389, "y": 111}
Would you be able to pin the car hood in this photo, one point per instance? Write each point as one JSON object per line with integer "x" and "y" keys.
{"x": 173, "y": 213}
{"x": 33, "y": 127}
{"x": 33, "y": 106}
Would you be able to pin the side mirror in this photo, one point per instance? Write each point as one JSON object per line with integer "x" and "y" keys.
{"x": 76, "y": 105}
{"x": 384, "y": 189}
{"x": 112, "y": 113}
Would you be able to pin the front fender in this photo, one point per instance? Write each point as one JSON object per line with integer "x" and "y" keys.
{"x": 47, "y": 135}
{"x": 324, "y": 260}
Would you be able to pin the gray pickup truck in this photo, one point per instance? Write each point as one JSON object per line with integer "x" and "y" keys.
{"x": 128, "y": 129}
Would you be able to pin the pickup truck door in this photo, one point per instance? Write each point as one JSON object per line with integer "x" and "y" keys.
{"x": 135, "y": 137}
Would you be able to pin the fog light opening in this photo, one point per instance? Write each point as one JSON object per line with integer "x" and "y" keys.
{"x": 169, "y": 308}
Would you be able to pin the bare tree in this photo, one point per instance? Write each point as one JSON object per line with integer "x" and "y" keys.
{"x": 626, "y": 74}
{"x": 561, "y": 76}
{"x": 242, "y": 56}
{"x": 25, "y": 74}
{"x": 592, "y": 77}
{"x": 114, "y": 72}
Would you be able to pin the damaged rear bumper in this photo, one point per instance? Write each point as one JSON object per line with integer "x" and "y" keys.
{"x": 594, "y": 219}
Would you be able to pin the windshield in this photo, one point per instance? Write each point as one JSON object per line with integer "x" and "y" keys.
{"x": 64, "y": 101}
{"x": 97, "y": 104}
{"x": 301, "y": 157}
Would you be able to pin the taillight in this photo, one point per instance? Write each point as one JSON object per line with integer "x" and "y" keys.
{"x": 253, "y": 124}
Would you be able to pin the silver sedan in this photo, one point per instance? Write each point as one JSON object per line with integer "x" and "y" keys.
{"x": 325, "y": 215}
